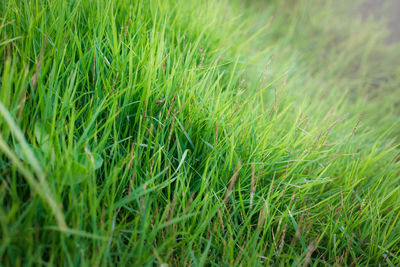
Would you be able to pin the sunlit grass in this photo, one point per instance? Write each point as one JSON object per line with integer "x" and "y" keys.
{"x": 197, "y": 133}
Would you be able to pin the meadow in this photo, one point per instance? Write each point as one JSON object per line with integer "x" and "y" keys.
{"x": 204, "y": 133}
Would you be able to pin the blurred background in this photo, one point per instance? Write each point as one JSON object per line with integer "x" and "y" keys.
{"x": 388, "y": 10}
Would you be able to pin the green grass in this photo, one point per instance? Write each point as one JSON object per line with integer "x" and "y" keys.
{"x": 197, "y": 133}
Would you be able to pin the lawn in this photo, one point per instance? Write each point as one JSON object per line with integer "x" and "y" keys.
{"x": 205, "y": 133}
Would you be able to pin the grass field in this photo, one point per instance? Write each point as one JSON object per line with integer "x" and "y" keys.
{"x": 193, "y": 132}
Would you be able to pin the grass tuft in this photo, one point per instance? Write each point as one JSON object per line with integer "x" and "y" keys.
{"x": 197, "y": 133}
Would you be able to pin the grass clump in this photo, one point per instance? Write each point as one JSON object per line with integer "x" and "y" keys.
{"x": 197, "y": 133}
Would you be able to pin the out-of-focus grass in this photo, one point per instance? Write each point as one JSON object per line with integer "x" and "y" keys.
{"x": 388, "y": 11}
{"x": 197, "y": 132}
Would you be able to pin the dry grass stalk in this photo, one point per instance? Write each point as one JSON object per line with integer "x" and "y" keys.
{"x": 203, "y": 52}
{"x": 221, "y": 221}
{"x": 233, "y": 181}
{"x": 261, "y": 217}
{"x": 310, "y": 250}
{"x": 39, "y": 64}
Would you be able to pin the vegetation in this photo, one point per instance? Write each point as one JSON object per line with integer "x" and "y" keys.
{"x": 197, "y": 133}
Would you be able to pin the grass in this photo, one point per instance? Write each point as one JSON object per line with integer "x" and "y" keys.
{"x": 197, "y": 133}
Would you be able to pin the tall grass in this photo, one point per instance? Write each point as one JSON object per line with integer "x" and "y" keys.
{"x": 197, "y": 133}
